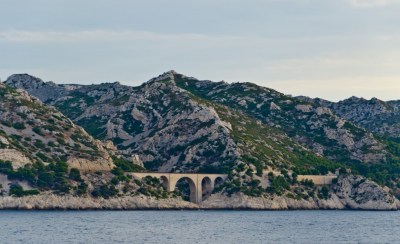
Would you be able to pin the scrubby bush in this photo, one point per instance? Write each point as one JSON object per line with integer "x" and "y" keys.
{"x": 19, "y": 126}
{"x": 81, "y": 189}
{"x": 53, "y": 176}
{"x": 5, "y": 167}
{"x": 17, "y": 191}
{"x": 278, "y": 185}
{"x": 75, "y": 174}
{"x": 37, "y": 130}
{"x": 127, "y": 166}
{"x": 307, "y": 182}
{"x": 39, "y": 144}
{"x": 105, "y": 191}
{"x": 324, "y": 192}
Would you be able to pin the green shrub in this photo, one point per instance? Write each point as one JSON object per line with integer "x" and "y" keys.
{"x": 75, "y": 174}
{"x": 17, "y": 191}
{"x": 307, "y": 182}
{"x": 37, "y": 130}
{"x": 105, "y": 191}
{"x": 19, "y": 126}
{"x": 39, "y": 144}
{"x": 127, "y": 166}
{"x": 324, "y": 192}
{"x": 5, "y": 167}
{"x": 278, "y": 185}
{"x": 51, "y": 144}
{"x": 82, "y": 189}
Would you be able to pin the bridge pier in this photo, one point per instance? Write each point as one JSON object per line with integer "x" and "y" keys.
{"x": 195, "y": 182}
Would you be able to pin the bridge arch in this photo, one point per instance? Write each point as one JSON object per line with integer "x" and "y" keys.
{"x": 164, "y": 181}
{"x": 207, "y": 186}
{"x": 192, "y": 187}
{"x": 218, "y": 181}
{"x": 196, "y": 182}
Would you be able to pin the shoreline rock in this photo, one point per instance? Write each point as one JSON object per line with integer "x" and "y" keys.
{"x": 49, "y": 201}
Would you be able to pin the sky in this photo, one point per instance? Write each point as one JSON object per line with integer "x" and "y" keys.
{"x": 331, "y": 49}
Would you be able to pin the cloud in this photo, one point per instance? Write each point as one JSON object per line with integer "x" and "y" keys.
{"x": 372, "y": 3}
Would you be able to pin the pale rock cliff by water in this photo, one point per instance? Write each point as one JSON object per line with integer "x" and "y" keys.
{"x": 350, "y": 192}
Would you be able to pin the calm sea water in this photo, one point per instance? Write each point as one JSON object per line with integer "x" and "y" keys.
{"x": 199, "y": 227}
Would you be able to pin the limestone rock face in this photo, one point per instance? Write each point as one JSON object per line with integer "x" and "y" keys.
{"x": 31, "y": 131}
{"x": 351, "y": 192}
{"x": 45, "y": 91}
{"x": 51, "y": 201}
{"x": 315, "y": 125}
{"x": 158, "y": 122}
{"x": 375, "y": 115}
{"x": 181, "y": 124}
{"x": 149, "y": 117}
{"x": 357, "y": 192}
{"x": 85, "y": 165}
{"x": 136, "y": 160}
{"x": 17, "y": 158}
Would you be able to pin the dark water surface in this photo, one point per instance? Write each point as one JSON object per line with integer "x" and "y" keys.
{"x": 199, "y": 227}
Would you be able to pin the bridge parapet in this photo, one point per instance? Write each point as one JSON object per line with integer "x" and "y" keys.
{"x": 318, "y": 179}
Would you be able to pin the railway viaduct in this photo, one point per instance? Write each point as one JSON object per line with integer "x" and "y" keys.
{"x": 196, "y": 182}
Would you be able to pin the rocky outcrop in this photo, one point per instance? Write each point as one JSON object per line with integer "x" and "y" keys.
{"x": 145, "y": 120}
{"x": 45, "y": 91}
{"x": 350, "y": 192}
{"x": 158, "y": 122}
{"x": 375, "y": 115}
{"x": 357, "y": 192}
{"x": 31, "y": 131}
{"x": 86, "y": 165}
{"x": 178, "y": 123}
{"x": 17, "y": 158}
{"x": 51, "y": 201}
{"x": 314, "y": 125}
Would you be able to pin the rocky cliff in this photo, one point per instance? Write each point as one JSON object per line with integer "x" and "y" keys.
{"x": 312, "y": 125}
{"x": 171, "y": 129}
{"x": 358, "y": 193}
{"x": 261, "y": 138}
{"x": 377, "y": 116}
{"x": 31, "y": 131}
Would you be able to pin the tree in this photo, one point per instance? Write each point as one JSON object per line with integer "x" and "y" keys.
{"x": 75, "y": 174}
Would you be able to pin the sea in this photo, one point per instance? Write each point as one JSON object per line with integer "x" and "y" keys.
{"x": 199, "y": 227}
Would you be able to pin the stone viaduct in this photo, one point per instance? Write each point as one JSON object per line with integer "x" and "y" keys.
{"x": 196, "y": 182}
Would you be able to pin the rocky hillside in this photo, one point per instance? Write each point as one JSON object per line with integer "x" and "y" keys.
{"x": 260, "y": 137}
{"x": 377, "y": 116}
{"x": 168, "y": 124}
{"x": 31, "y": 131}
{"x": 311, "y": 125}
{"x": 170, "y": 128}
{"x": 45, "y": 91}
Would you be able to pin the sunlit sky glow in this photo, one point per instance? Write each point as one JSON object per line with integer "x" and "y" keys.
{"x": 319, "y": 48}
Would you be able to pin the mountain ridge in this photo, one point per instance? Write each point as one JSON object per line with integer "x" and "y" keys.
{"x": 177, "y": 123}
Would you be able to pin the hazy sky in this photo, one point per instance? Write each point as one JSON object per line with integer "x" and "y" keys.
{"x": 321, "y": 48}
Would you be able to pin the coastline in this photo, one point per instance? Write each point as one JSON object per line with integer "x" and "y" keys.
{"x": 239, "y": 202}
